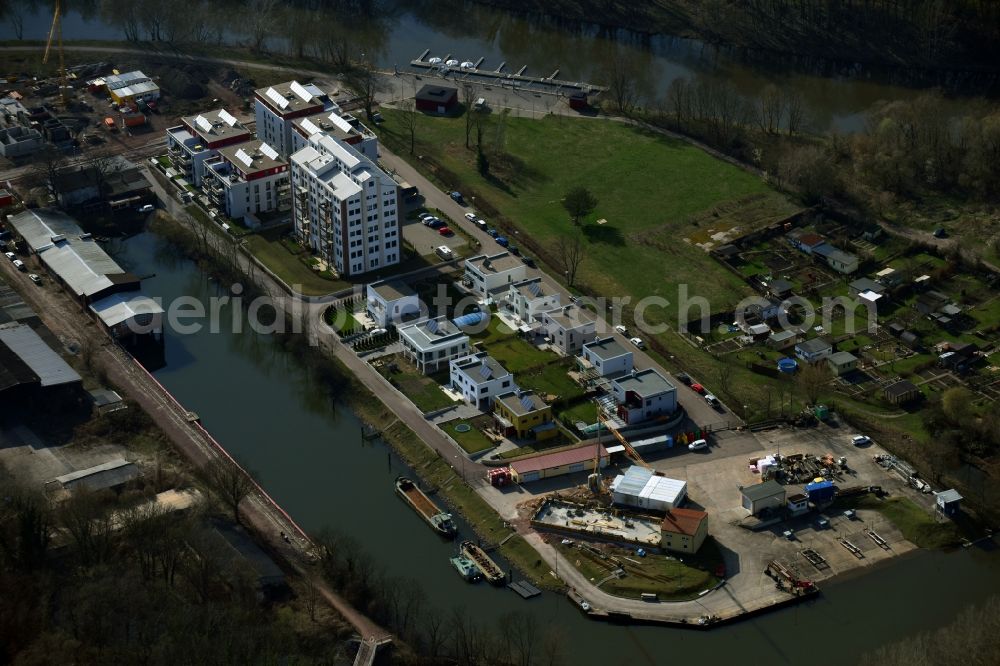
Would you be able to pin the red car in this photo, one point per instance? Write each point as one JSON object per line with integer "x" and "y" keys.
{"x": 445, "y": 231}
{"x": 697, "y": 388}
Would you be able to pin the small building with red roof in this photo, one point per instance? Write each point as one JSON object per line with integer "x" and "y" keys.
{"x": 684, "y": 530}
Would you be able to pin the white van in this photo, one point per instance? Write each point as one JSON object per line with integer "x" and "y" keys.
{"x": 444, "y": 252}
{"x": 19, "y": 265}
{"x": 479, "y": 104}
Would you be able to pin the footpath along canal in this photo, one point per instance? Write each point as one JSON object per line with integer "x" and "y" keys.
{"x": 259, "y": 401}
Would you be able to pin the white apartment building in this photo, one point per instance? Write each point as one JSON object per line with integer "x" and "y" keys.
{"x": 345, "y": 207}
{"x": 199, "y": 138}
{"x": 275, "y": 107}
{"x": 248, "y": 179}
{"x": 344, "y": 127}
{"x": 480, "y": 378}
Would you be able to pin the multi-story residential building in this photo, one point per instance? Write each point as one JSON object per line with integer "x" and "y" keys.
{"x": 569, "y": 327}
{"x": 644, "y": 395}
{"x": 527, "y": 299}
{"x": 248, "y": 179}
{"x": 199, "y": 138}
{"x": 490, "y": 273}
{"x": 344, "y": 127}
{"x": 391, "y": 302}
{"x": 345, "y": 207}
{"x": 432, "y": 343}
{"x": 275, "y": 107}
{"x": 607, "y": 357}
{"x": 480, "y": 378}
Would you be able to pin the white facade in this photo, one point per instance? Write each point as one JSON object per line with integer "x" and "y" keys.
{"x": 342, "y": 126}
{"x": 246, "y": 179}
{"x": 527, "y": 299}
{"x": 345, "y": 208}
{"x": 487, "y": 274}
{"x": 199, "y": 138}
{"x": 643, "y": 395}
{"x": 642, "y": 488}
{"x": 432, "y": 343}
{"x": 277, "y": 107}
{"x": 480, "y": 378}
{"x": 391, "y": 301}
{"x": 569, "y": 327}
{"x": 608, "y": 357}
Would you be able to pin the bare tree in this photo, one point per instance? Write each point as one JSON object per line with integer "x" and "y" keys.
{"x": 795, "y": 111}
{"x": 259, "y": 17}
{"x": 409, "y": 117}
{"x": 770, "y": 109}
{"x": 569, "y": 252}
{"x": 811, "y": 379}
{"x": 14, "y": 12}
{"x": 228, "y": 482}
{"x": 367, "y": 83}
{"x": 468, "y": 93}
{"x": 623, "y": 87}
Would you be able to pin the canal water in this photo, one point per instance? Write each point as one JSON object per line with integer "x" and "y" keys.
{"x": 403, "y": 33}
{"x": 257, "y": 399}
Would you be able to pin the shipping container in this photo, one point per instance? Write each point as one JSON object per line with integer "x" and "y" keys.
{"x": 133, "y": 120}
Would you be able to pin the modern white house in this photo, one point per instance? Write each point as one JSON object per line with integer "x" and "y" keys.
{"x": 277, "y": 107}
{"x": 527, "y": 299}
{"x": 480, "y": 378}
{"x": 392, "y": 302}
{"x": 644, "y": 395}
{"x": 199, "y": 138}
{"x": 490, "y": 273}
{"x": 432, "y": 343}
{"x": 813, "y": 351}
{"x": 346, "y": 208}
{"x": 607, "y": 356}
{"x": 344, "y": 127}
{"x": 569, "y": 327}
{"x": 247, "y": 180}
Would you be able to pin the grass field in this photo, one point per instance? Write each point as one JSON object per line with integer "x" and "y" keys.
{"x": 290, "y": 267}
{"x": 473, "y": 441}
{"x": 422, "y": 390}
{"x": 917, "y": 525}
{"x": 652, "y": 191}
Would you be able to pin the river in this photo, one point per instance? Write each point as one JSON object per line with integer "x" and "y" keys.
{"x": 259, "y": 402}
{"x": 836, "y": 102}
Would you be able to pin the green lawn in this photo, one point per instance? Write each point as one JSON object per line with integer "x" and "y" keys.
{"x": 654, "y": 192}
{"x": 584, "y": 411}
{"x": 917, "y": 525}
{"x": 518, "y": 355}
{"x": 291, "y": 266}
{"x": 551, "y": 379}
{"x": 473, "y": 441}
{"x": 424, "y": 391}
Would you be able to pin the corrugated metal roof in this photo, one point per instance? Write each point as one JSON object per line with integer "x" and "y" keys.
{"x": 38, "y": 226}
{"x": 632, "y": 481}
{"x": 50, "y": 367}
{"x": 558, "y": 459}
{"x": 106, "y": 475}
{"x": 662, "y": 489}
{"x": 82, "y": 264}
{"x": 118, "y": 308}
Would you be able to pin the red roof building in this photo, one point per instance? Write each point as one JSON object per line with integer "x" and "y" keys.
{"x": 684, "y": 530}
{"x": 567, "y": 461}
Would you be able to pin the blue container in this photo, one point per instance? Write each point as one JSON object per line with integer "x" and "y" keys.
{"x": 787, "y": 365}
{"x": 821, "y": 491}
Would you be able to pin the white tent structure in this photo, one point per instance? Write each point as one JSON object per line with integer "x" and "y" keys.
{"x": 642, "y": 488}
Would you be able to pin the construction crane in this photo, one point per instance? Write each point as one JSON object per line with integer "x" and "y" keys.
{"x": 629, "y": 451}
{"x": 56, "y": 33}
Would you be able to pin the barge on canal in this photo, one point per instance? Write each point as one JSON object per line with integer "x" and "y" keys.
{"x": 440, "y": 521}
{"x": 491, "y": 572}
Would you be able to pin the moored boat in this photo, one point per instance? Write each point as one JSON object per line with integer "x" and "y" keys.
{"x": 466, "y": 568}
{"x": 439, "y": 520}
{"x": 491, "y": 572}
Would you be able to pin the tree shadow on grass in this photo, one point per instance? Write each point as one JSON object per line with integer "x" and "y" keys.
{"x": 603, "y": 233}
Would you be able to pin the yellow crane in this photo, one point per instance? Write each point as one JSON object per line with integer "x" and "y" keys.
{"x": 629, "y": 451}
{"x": 56, "y": 33}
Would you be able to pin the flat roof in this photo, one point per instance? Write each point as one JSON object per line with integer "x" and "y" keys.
{"x": 683, "y": 521}
{"x": 471, "y": 365}
{"x": 433, "y": 93}
{"x": 216, "y": 125}
{"x": 523, "y": 402}
{"x": 606, "y": 348}
{"x": 867, "y": 284}
{"x": 901, "y": 388}
{"x": 495, "y": 263}
{"x": 814, "y": 345}
{"x": 36, "y": 354}
{"x": 646, "y": 383}
{"x": 392, "y": 290}
{"x": 570, "y": 316}
{"x": 106, "y": 475}
{"x": 559, "y": 458}
{"x": 532, "y": 288}
{"x": 252, "y": 156}
{"x": 842, "y": 357}
{"x": 331, "y": 122}
{"x": 432, "y": 332}
{"x": 291, "y": 97}
{"x": 760, "y": 491}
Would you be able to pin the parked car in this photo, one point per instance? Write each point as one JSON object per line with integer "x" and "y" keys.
{"x": 698, "y": 445}
{"x": 10, "y": 255}
{"x": 378, "y": 331}
{"x": 683, "y": 378}
{"x": 424, "y": 216}
{"x": 457, "y": 196}
{"x": 471, "y": 217}
{"x": 697, "y": 388}
{"x": 712, "y": 400}
{"x": 435, "y": 223}
{"x": 493, "y": 232}
{"x": 514, "y": 250}
{"x": 940, "y": 233}
{"x": 376, "y": 117}
{"x": 822, "y": 523}
{"x": 481, "y": 223}
{"x": 34, "y": 278}
{"x": 528, "y": 261}
{"x": 621, "y": 329}
{"x": 148, "y": 208}
{"x": 861, "y": 440}
{"x": 430, "y": 219}
{"x": 19, "y": 265}
{"x": 444, "y": 252}
{"x": 445, "y": 231}
{"x": 638, "y": 343}
{"x": 501, "y": 241}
